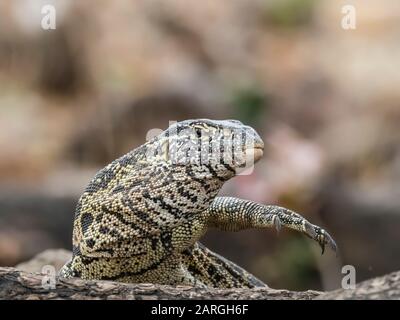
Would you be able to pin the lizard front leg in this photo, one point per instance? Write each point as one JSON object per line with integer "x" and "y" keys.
{"x": 233, "y": 214}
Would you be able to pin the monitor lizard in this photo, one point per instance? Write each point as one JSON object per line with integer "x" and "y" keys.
{"x": 140, "y": 218}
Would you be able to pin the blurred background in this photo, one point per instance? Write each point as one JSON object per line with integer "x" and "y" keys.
{"x": 325, "y": 100}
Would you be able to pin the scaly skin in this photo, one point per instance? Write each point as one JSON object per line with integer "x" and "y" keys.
{"x": 140, "y": 218}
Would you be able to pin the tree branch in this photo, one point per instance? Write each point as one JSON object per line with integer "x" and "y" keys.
{"x": 15, "y": 284}
{"x": 18, "y": 284}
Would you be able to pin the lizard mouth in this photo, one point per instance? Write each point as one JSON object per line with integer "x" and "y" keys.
{"x": 257, "y": 151}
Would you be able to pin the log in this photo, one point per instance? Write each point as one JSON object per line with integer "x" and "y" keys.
{"x": 16, "y": 284}
{"x": 29, "y": 284}
{"x": 386, "y": 287}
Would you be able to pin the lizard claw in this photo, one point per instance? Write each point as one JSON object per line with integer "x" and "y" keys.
{"x": 320, "y": 235}
{"x": 277, "y": 223}
{"x": 322, "y": 245}
{"x": 323, "y": 239}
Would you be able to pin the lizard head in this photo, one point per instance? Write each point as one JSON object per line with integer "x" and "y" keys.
{"x": 221, "y": 148}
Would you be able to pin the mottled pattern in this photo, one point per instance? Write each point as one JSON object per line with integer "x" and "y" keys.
{"x": 140, "y": 218}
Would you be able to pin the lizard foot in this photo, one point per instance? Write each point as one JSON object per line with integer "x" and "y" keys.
{"x": 292, "y": 220}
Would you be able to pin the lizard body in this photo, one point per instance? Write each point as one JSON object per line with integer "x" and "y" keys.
{"x": 140, "y": 218}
